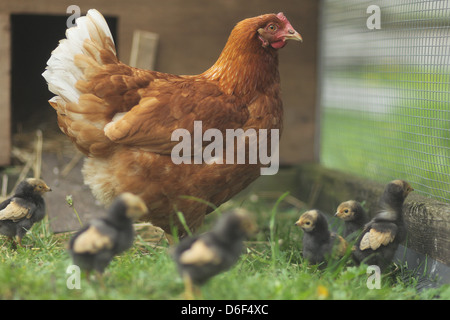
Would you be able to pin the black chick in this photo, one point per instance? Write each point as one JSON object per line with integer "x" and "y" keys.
{"x": 201, "y": 257}
{"x": 26, "y": 207}
{"x": 354, "y": 216}
{"x": 382, "y": 235}
{"x": 95, "y": 245}
{"x": 319, "y": 243}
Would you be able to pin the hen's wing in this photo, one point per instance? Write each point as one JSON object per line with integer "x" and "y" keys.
{"x": 101, "y": 102}
{"x": 167, "y": 105}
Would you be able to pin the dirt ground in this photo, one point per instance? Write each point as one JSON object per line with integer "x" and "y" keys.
{"x": 61, "y": 216}
{"x": 60, "y": 167}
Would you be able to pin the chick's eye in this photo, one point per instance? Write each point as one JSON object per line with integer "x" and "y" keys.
{"x": 346, "y": 210}
{"x": 307, "y": 223}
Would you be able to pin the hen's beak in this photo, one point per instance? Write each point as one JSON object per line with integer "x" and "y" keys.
{"x": 293, "y": 35}
{"x": 290, "y": 33}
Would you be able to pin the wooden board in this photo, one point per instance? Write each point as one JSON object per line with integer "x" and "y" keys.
{"x": 5, "y": 78}
{"x": 143, "y": 49}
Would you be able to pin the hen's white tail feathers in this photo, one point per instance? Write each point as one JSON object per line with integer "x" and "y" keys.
{"x": 61, "y": 72}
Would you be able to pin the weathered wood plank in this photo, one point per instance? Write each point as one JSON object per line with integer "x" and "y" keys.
{"x": 144, "y": 49}
{"x": 428, "y": 223}
{"x": 5, "y": 91}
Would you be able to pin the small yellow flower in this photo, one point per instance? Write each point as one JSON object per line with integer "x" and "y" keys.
{"x": 322, "y": 292}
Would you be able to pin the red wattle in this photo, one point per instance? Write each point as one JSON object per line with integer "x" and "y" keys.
{"x": 278, "y": 44}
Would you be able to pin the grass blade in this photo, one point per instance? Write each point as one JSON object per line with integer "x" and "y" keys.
{"x": 274, "y": 246}
{"x": 183, "y": 222}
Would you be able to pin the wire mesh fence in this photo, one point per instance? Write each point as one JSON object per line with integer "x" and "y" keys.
{"x": 385, "y": 93}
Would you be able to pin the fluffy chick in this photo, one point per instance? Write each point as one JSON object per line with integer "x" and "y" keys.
{"x": 95, "y": 245}
{"x": 26, "y": 207}
{"x": 354, "y": 216}
{"x": 382, "y": 235}
{"x": 319, "y": 242}
{"x": 201, "y": 257}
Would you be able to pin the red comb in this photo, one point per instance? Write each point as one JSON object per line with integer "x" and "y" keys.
{"x": 281, "y": 16}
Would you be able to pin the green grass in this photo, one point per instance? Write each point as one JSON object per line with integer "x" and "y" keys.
{"x": 271, "y": 268}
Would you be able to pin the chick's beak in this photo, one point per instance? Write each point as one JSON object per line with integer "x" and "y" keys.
{"x": 408, "y": 189}
{"x": 143, "y": 208}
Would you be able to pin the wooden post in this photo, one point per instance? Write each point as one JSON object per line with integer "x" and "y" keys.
{"x": 5, "y": 90}
{"x": 143, "y": 50}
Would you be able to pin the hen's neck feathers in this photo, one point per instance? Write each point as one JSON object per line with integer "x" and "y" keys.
{"x": 245, "y": 67}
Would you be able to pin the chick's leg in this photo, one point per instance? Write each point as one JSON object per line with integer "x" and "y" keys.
{"x": 197, "y": 292}
{"x": 99, "y": 277}
{"x": 19, "y": 241}
{"x": 188, "y": 287}
{"x": 88, "y": 276}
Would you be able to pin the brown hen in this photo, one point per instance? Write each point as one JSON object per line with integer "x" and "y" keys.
{"x": 122, "y": 118}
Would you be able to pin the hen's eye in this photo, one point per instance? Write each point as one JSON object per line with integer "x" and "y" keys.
{"x": 273, "y": 27}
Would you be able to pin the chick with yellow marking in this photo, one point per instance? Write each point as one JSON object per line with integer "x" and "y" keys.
{"x": 95, "y": 245}
{"x": 383, "y": 234}
{"x": 201, "y": 257}
{"x": 319, "y": 243}
{"x": 354, "y": 217}
{"x": 26, "y": 207}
